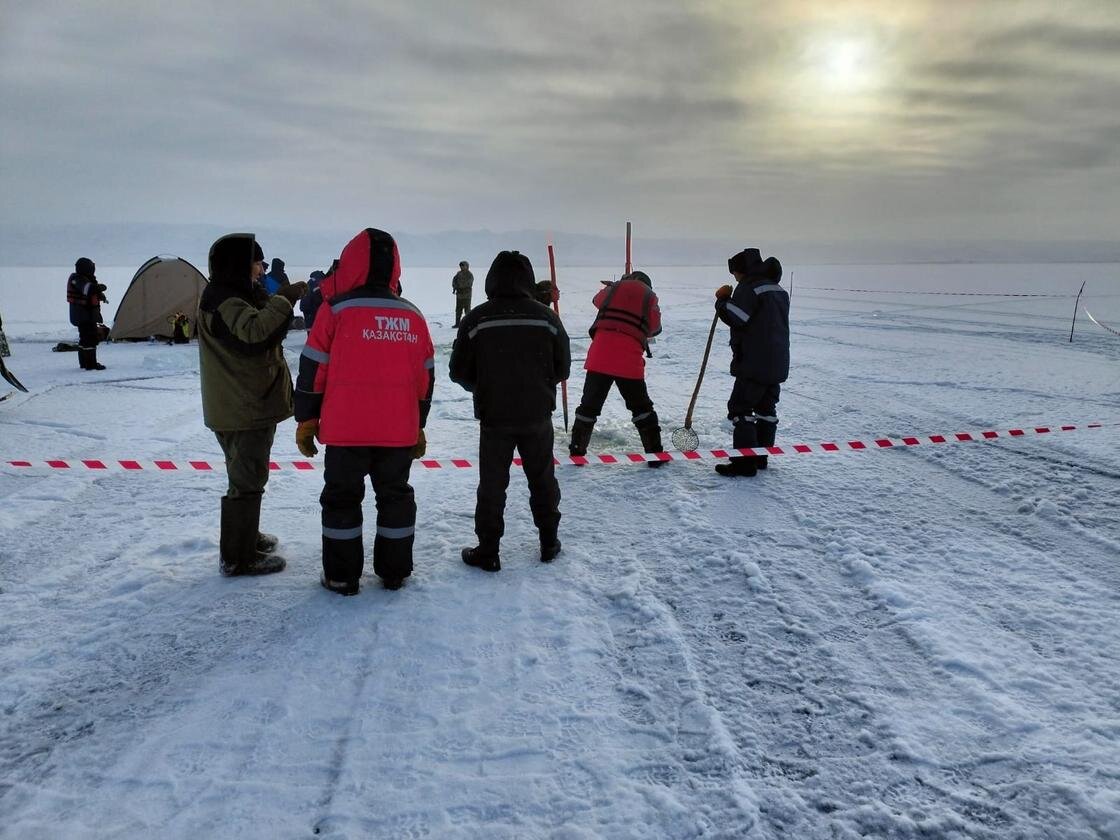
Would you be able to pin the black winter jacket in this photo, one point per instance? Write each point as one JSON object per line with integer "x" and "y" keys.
{"x": 758, "y": 314}
{"x": 511, "y": 352}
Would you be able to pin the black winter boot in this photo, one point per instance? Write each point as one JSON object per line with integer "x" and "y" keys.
{"x": 342, "y": 587}
{"x": 581, "y": 437}
{"x": 266, "y": 543}
{"x": 737, "y": 466}
{"x": 651, "y": 442}
{"x": 550, "y": 544}
{"x": 767, "y": 431}
{"x": 481, "y": 558}
{"x": 238, "y": 542}
{"x": 83, "y": 358}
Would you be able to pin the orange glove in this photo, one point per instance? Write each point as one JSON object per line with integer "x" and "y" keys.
{"x": 306, "y": 432}
{"x": 723, "y": 292}
{"x": 421, "y": 446}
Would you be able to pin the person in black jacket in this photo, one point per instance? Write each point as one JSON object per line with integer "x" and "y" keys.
{"x": 511, "y": 352}
{"x": 85, "y": 296}
{"x": 757, "y": 310}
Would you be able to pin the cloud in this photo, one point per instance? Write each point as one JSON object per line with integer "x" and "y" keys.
{"x": 569, "y": 116}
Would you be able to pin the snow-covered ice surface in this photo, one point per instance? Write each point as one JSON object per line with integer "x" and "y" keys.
{"x": 902, "y": 643}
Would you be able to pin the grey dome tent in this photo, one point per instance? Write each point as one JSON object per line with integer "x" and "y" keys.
{"x": 162, "y": 287}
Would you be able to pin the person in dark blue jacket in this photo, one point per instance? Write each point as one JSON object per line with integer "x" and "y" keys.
{"x": 757, "y": 310}
{"x": 310, "y": 302}
{"x": 277, "y": 278}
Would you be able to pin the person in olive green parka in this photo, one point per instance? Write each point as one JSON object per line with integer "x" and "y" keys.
{"x": 246, "y": 391}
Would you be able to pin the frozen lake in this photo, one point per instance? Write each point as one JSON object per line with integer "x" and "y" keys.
{"x": 901, "y": 643}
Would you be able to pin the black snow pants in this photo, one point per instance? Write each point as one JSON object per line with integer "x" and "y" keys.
{"x": 345, "y": 471}
{"x": 753, "y": 409}
{"x": 495, "y": 455}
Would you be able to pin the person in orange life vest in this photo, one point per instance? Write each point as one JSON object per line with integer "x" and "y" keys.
{"x": 364, "y": 389}
{"x": 629, "y": 316}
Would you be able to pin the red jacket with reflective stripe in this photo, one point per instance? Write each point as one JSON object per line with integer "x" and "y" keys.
{"x": 367, "y": 369}
{"x": 628, "y": 317}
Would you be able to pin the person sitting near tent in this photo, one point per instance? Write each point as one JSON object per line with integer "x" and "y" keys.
{"x": 180, "y": 328}
{"x": 309, "y": 303}
{"x": 757, "y": 310}
{"x": 276, "y": 279}
{"x": 246, "y": 391}
{"x": 364, "y": 389}
{"x": 628, "y": 317}
{"x": 85, "y": 296}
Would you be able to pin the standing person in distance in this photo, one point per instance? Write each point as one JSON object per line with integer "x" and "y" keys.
{"x": 85, "y": 296}
{"x": 246, "y": 391}
{"x": 364, "y": 389}
{"x": 462, "y": 284}
{"x": 757, "y": 310}
{"x": 629, "y": 316}
{"x": 277, "y": 278}
{"x": 511, "y": 353}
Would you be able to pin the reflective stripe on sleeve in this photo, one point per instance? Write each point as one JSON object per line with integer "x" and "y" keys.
{"x": 737, "y": 312}
{"x": 316, "y": 355}
{"x": 770, "y": 287}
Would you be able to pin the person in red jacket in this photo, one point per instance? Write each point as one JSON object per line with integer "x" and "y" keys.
{"x": 364, "y": 389}
{"x": 628, "y": 318}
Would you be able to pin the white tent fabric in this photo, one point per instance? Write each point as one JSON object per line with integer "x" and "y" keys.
{"x": 162, "y": 286}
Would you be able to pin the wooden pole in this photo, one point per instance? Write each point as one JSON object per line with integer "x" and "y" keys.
{"x": 556, "y": 309}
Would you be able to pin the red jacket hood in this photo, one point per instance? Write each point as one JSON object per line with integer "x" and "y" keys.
{"x": 369, "y": 259}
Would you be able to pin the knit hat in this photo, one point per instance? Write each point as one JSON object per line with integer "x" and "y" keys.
{"x": 258, "y": 252}
{"x": 747, "y": 261}
{"x": 85, "y": 267}
{"x": 772, "y": 269}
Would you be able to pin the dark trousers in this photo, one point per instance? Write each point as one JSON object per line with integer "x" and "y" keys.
{"x": 462, "y": 307}
{"x": 595, "y": 389}
{"x": 89, "y": 336}
{"x": 753, "y": 409}
{"x": 495, "y": 454}
{"x": 247, "y": 455}
{"x": 344, "y": 475}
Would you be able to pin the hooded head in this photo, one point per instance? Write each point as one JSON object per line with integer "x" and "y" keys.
{"x": 772, "y": 269}
{"x": 640, "y": 276}
{"x": 277, "y": 265}
{"x": 464, "y": 264}
{"x": 510, "y": 275}
{"x": 85, "y": 267}
{"x": 747, "y": 262}
{"x": 369, "y": 259}
{"x": 232, "y": 258}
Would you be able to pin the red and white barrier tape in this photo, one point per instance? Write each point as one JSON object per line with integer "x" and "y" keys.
{"x": 96, "y": 465}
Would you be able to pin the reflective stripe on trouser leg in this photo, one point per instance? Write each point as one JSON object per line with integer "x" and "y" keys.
{"x": 396, "y": 511}
{"x": 341, "y": 500}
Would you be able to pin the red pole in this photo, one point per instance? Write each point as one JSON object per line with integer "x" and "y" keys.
{"x": 629, "y": 267}
{"x": 556, "y": 309}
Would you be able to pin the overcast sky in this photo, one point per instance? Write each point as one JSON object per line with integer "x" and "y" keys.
{"x": 823, "y": 119}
